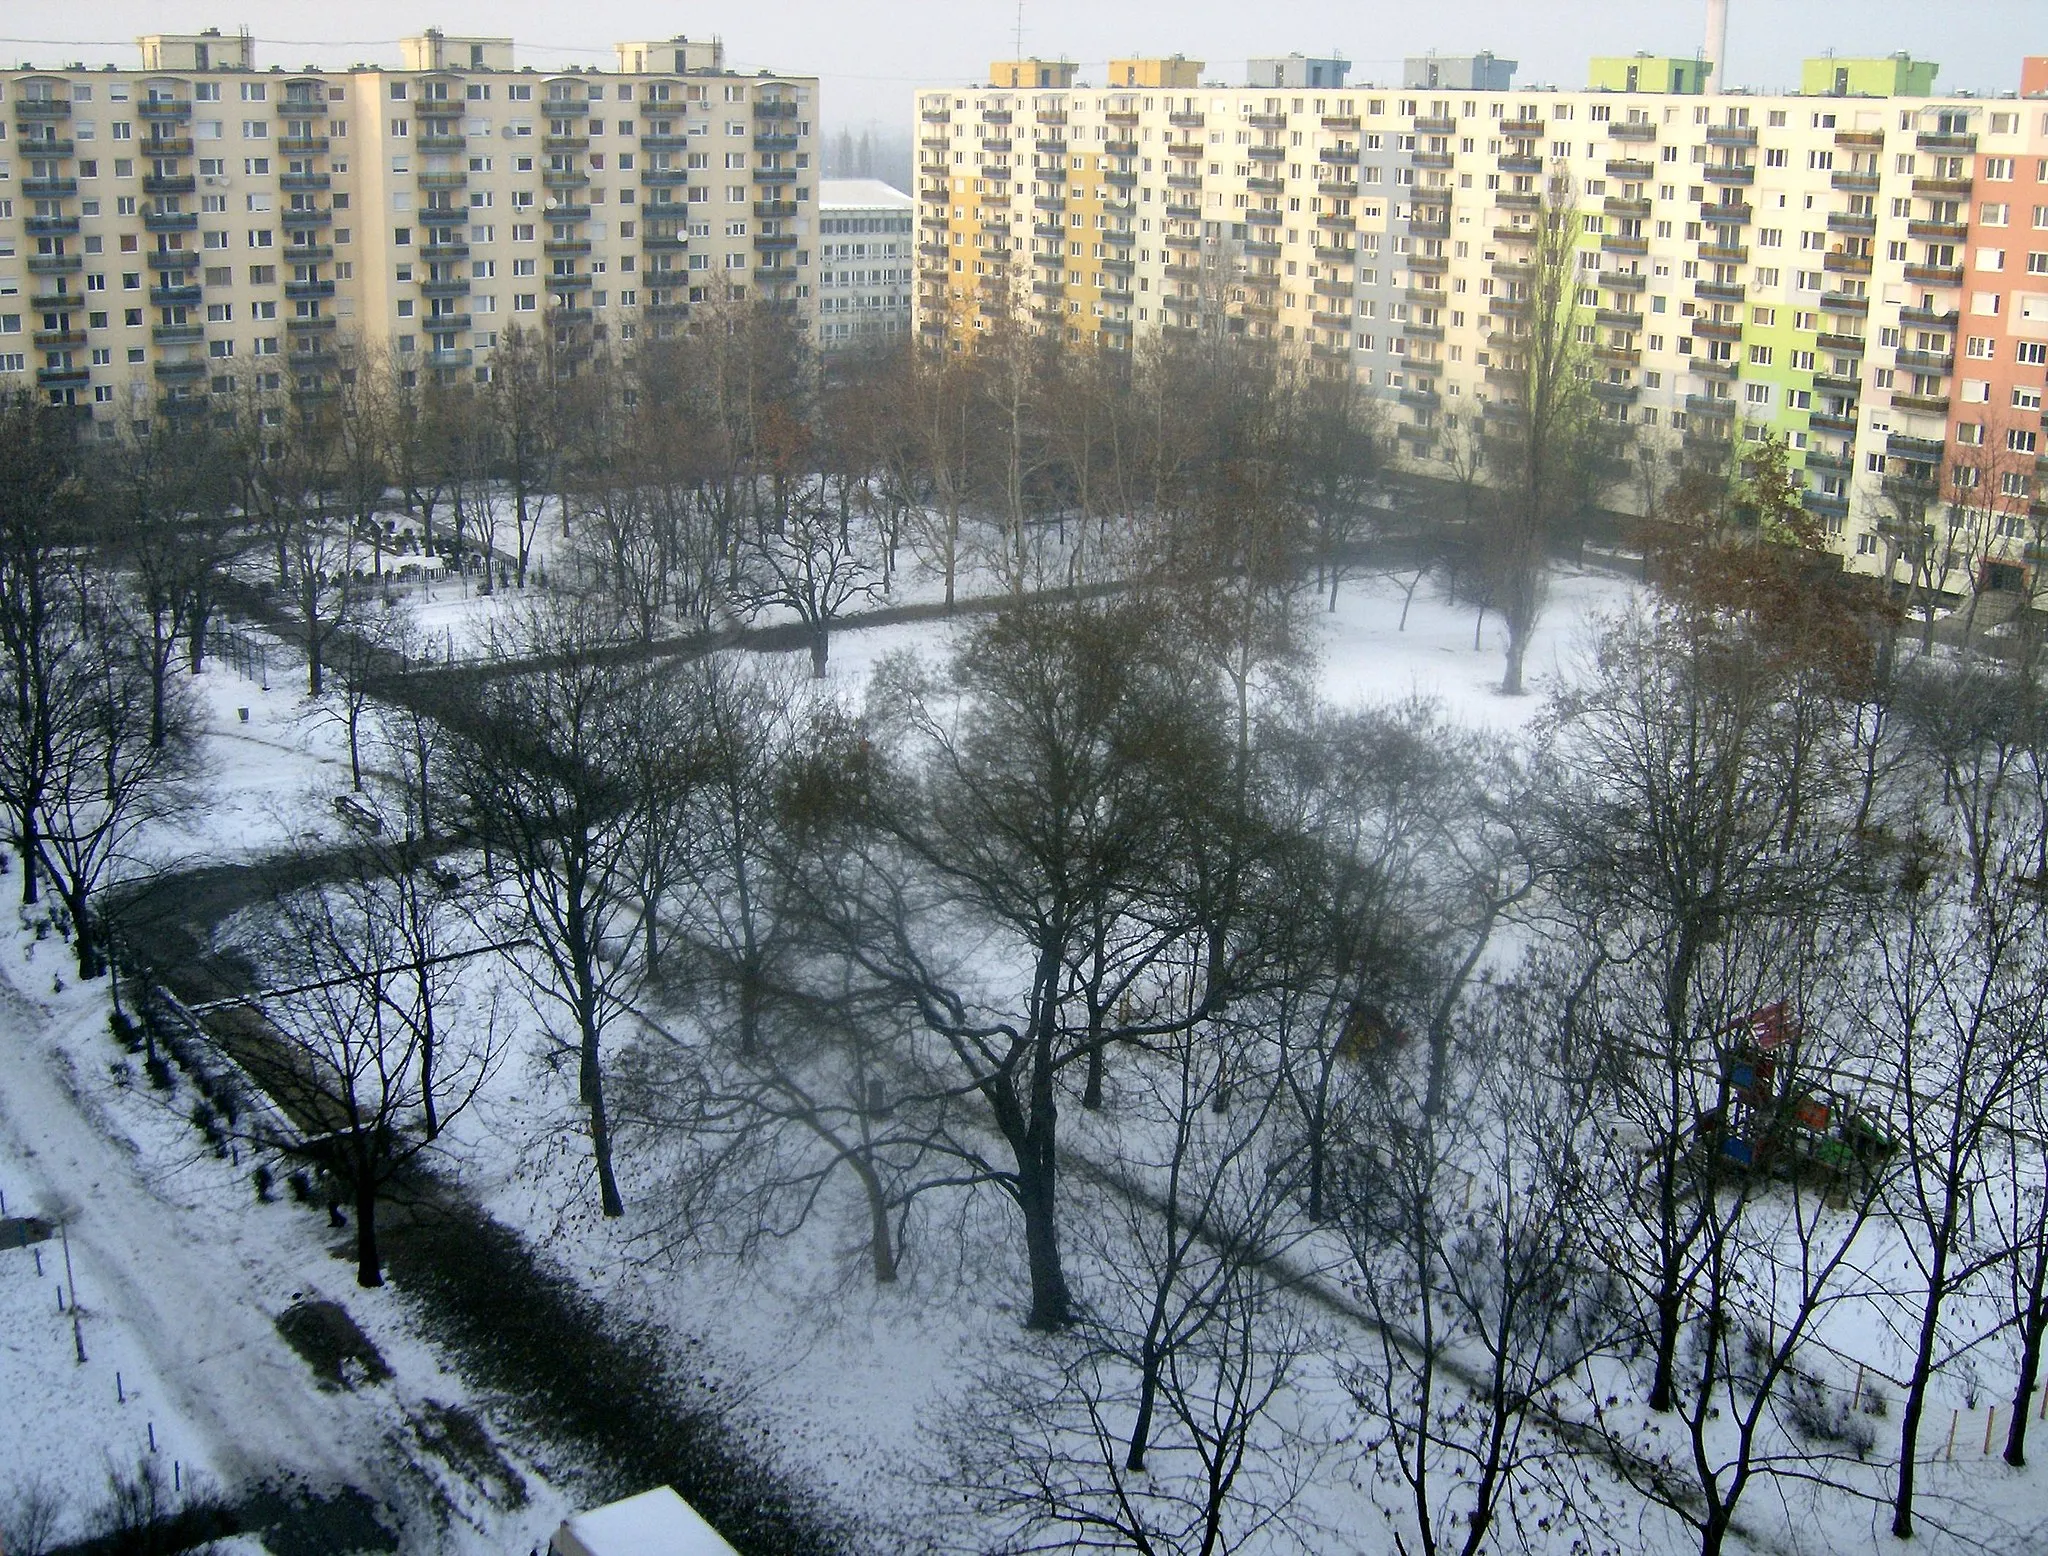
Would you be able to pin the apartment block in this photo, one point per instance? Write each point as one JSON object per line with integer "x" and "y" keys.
{"x": 865, "y": 262}
{"x": 1861, "y": 271}
{"x": 169, "y": 229}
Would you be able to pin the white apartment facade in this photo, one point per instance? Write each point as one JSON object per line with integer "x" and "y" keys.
{"x": 865, "y": 259}
{"x": 1812, "y": 265}
{"x": 167, "y": 228}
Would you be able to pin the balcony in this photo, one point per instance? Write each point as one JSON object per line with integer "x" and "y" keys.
{"x": 664, "y": 177}
{"x": 1925, "y": 404}
{"x": 1941, "y": 362}
{"x": 174, "y": 297}
{"x": 1277, "y": 121}
{"x": 306, "y": 291}
{"x": 1843, "y": 345}
{"x": 1713, "y": 367}
{"x": 1712, "y": 406}
{"x": 1847, "y": 264}
{"x": 1620, "y": 318}
{"x": 556, "y": 178}
{"x": 1833, "y": 464}
{"x": 1852, "y": 224}
{"x": 170, "y": 221}
{"x": 1720, "y": 291}
{"x": 778, "y": 108}
{"x": 1421, "y": 399}
{"x": 1184, "y": 181}
{"x": 1615, "y": 206}
{"x": 1724, "y": 253}
{"x": 682, "y": 142}
{"x": 1943, "y": 188}
{"x": 1729, "y": 173}
{"x": 1614, "y": 243}
{"x": 1520, "y": 164}
{"x": 1904, "y": 446}
{"x": 173, "y": 259}
{"x": 316, "y": 145}
{"x": 445, "y": 323}
{"x": 1633, "y": 132}
{"x": 42, "y": 108}
{"x": 1830, "y": 383}
{"x": 773, "y": 275}
{"x": 1518, "y": 199}
{"x": 294, "y": 221}
{"x": 565, "y": 211}
{"x": 663, "y": 242}
{"x": 304, "y": 183}
{"x": 1422, "y": 228}
{"x": 1835, "y": 426}
{"x": 564, "y": 107}
{"x": 1421, "y": 264}
{"x": 180, "y": 372}
{"x": 446, "y": 286}
{"x": 1938, "y": 232}
{"x": 1928, "y": 318}
{"x": 1630, "y": 169}
{"x": 1855, "y": 183}
{"x": 430, "y": 252}
{"x": 450, "y": 356}
{"x": 1615, "y": 394}
{"x": 774, "y": 175}
{"x": 44, "y": 150}
{"x": 54, "y": 264}
{"x": 52, "y": 226}
{"x": 775, "y": 142}
{"x": 1827, "y": 504}
{"x": 177, "y": 334}
{"x": 1717, "y": 329}
{"x": 1935, "y": 275}
{"x": 577, "y": 144}
{"x": 774, "y": 242}
{"x": 1844, "y": 302}
{"x": 169, "y": 184}
{"x": 1521, "y": 129}
{"x": 570, "y": 282}
{"x": 1942, "y": 141}
{"x": 163, "y": 146}
{"x": 1186, "y": 121}
{"x": 1730, "y": 135}
{"x": 1514, "y": 235}
{"x": 49, "y": 188}
{"x": 1727, "y": 214}
{"x": 996, "y": 116}
{"x": 1613, "y": 280}
{"x": 160, "y": 109}
{"x": 59, "y": 340}
{"x": 930, "y": 115}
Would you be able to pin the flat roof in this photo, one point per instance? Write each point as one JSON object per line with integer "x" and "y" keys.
{"x": 862, "y": 192}
{"x": 655, "y": 1523}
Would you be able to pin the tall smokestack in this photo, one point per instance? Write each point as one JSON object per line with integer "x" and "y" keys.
{"x": 1717, "y": 43}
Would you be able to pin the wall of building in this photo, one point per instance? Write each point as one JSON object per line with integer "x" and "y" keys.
{"x": 865, "y": 264}
{"x": 162, "y": 234}
{"x": 1787, "y": 264}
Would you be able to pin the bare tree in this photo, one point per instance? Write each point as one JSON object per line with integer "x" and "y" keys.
{"x": 813, "y": 564}
{"x": 377, "y": 1054}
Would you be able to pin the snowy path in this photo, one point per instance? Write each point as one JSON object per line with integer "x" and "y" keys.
{"x": 150, "y": 1279}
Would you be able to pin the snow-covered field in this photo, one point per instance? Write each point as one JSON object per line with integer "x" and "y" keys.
{"x": 182, "y": 1272}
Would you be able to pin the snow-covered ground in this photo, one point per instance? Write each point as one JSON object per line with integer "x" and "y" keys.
{"x": 182, "y": 1272}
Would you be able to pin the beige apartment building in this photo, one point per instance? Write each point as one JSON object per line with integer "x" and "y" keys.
{"x": 167, "y": 230}
{"x": 1861, "y": 269}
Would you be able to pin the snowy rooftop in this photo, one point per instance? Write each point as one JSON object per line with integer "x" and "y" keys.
{"x": 655, "y": 1523}
{"x": 861, "y": 193}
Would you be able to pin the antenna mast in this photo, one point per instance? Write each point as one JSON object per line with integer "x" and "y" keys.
{"x": 1019, "y": 52}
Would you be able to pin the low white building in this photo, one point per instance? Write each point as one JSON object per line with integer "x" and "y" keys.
{"x": 655, "y": 1523}
{"x": 864, "y": 264}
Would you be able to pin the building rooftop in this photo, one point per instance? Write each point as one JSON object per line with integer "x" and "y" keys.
{"x": 655, "y": 1523}
{"x": 862, "y": 192}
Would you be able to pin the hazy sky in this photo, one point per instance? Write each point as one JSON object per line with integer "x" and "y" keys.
{"x": 872, "y": 52}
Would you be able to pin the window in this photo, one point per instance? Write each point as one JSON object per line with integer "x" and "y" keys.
{"x": 1998, "y": 170}
{"x": 522, "y": 302}
{"x": 2022, "y": 440}
{"x": 255, "y": 129}
{"x": 2031, "y": 353}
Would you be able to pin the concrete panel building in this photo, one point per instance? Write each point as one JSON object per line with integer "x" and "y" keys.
{"x": 865, "y": 262}
{"x": 1896, "y": 75}
{"x": 169, "y": 230}
{"x": 1863, "y": 277}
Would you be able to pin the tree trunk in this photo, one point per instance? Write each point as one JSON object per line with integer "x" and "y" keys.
{"x": 881, "y": 1244}
{"x": 1916, "y": 1393}
{"x": 369, "y": 1269}
{"x": 1052, "y": 1304}
{"x": 2031, "y": 1333}
{"x": 590, "y": 1082}
{"x": 821, "y": 647}
{"x": 1148, "y": 1399}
